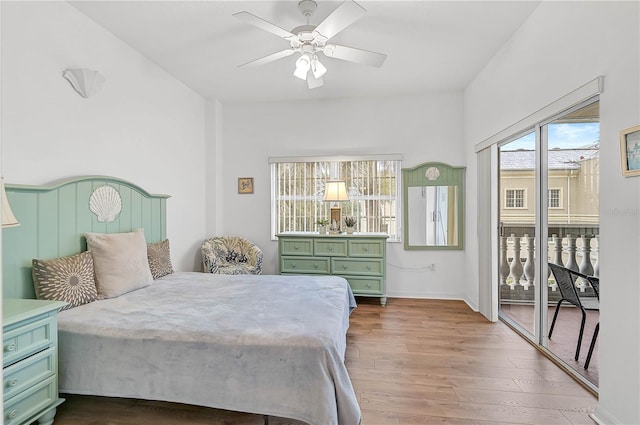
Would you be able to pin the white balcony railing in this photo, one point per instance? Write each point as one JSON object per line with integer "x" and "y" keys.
{"x": 517, "y": 258}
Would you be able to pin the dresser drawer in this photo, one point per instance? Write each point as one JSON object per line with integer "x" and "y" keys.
{"x": 355, "y": 266}
{"x": 27, "y": 339}
{"x": 28, "y": 372}
{"x": 30, "y": 402}
{"x": 366, "y": 248}
{"x": 330, "y": 247}
{"x": 296, "y": 246}
{"x": 358, "y": 258}
{"x": 365, "y": 286}
{"x": 302, "y": 265}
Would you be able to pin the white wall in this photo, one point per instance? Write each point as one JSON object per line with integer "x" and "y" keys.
{"x": 144, "y": 126}
{"x": 422, "y": 128}
{"x": 562, "y": 46}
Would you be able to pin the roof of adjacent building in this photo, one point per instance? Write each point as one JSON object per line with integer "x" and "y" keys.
{"x": 559, "y": 159}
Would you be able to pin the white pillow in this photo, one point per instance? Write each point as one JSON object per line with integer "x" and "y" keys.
{"x": 120, "y": 262}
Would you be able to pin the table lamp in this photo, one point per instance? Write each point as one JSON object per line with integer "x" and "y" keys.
{"x": 336, "y": 191}
{"x": 8, "y": 219}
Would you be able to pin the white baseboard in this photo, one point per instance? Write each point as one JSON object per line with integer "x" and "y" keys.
{"x": 602, "y": 417}
{"x": 433, "y": 297}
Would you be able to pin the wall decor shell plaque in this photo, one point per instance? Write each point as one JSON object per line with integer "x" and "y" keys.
{"x": 105, "y": 203}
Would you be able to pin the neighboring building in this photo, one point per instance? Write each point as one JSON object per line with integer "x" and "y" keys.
{"x": 573, "y": 191}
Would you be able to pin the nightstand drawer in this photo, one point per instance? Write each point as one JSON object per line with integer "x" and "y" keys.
{"x": 28, "y": 372}
{"x": 296, "y": 247}
{"x": 304, "y": 265}
{"x": 30, "y": 402}
{"x": 373, "y": 267}
{"x": 365, "y": 286}
{"x": 28, "y": 339}
{"x": 332, "y": 248}
{"x": 366, "y": 248}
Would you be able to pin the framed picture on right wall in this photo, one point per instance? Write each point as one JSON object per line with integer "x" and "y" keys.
{"x": 630, "y": 151}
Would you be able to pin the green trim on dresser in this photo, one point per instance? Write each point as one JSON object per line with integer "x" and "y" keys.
{"x": 53, "y": 219}
{"x": 360, "y": 258}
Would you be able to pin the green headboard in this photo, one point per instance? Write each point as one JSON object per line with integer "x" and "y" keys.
{"x": 54, "y": 218}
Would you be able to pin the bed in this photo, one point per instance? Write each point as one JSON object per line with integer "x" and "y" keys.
{"x": 267, "y": 344}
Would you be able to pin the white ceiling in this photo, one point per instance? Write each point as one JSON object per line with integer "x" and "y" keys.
{"x": 431, "y": 45}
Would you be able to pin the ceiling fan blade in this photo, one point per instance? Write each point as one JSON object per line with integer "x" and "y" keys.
{"x": 262, "y": 24}
{"x": 313, "y": 82}
{"x": 352, "y": 54}
{"x": 269, "y": 58}
{"x": 344, "y": 15}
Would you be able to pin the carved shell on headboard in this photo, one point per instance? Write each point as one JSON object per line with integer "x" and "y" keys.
{"x": 105, "y": 203}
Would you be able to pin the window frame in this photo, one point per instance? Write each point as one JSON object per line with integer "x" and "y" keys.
{"x": 524, "y": 199}
{"x": 560, "y": 206}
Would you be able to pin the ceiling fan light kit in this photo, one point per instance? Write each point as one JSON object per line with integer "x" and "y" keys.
{"x": 310, "y": 40}
{"x": 302, "y": 66}
{"x": 317, "y": 68}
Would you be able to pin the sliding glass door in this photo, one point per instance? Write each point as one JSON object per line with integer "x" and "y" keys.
{"x": 517, "y": 195}
{"x": 549, "y": 206}
{"x": 572, "y": 182}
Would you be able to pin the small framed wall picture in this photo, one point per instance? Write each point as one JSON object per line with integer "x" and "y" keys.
{"x": 630, "y": 151}
{"x": 245, "y": 184}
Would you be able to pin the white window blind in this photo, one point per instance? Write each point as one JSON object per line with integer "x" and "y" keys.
{"x": 373, "y": 185}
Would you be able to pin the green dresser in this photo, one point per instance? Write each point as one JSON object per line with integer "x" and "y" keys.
{"x": 360, "y": 258}
{"x": 30, "y": 361}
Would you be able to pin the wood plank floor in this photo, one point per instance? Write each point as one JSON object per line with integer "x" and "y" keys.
{"x": 412, "y": 362}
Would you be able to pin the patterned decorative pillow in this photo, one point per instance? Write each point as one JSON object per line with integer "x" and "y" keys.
{"x": 159, "y": 258}
{"x": 67, "y": 279}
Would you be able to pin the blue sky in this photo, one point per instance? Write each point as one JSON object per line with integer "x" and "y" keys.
{"x": 564, "y": 136}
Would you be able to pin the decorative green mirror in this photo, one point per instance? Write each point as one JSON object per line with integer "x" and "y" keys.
{"x": 433, "y": 206}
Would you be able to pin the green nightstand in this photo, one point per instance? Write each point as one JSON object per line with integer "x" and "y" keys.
{"x": 30, "y": 361}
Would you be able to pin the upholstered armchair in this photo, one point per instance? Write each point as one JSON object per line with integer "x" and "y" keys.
{"x": 231, "y": 255}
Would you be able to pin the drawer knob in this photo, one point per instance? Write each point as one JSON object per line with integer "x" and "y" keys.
{"x": 330, "y": 248}
{"x": 12, "y": 414}
{"x": 295, "y": 247}
{"x": 368, "y": 267}
{"x": 293, "y": 265}
{"x": 344, "y": 267}
{"x": 368, "y": 285}
{"x": 11, "y": 347}
{"x": 315, "y": 266}
{"x": 13, "y": 382}
{"x": 365, "y": 249}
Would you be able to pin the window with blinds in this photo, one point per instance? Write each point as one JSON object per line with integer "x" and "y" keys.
{"x": 297, "y": 192}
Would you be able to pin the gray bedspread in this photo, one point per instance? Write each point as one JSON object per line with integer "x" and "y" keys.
{"x": 272, "y": 345}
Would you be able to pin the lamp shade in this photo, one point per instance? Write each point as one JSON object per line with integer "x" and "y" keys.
{"x": 8, "y": 219}
{"x": 335, "y": 191}
{"x": 318, "y": 69}
{"x": 302, "y": 66}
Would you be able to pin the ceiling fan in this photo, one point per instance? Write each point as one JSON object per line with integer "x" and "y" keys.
{"x": 309, "y": 40}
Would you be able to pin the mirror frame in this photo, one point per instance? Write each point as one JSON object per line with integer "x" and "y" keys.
{"x": 446, "y": 175}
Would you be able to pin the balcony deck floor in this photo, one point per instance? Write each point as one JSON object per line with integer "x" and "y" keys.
{"x": 565, "y": 335}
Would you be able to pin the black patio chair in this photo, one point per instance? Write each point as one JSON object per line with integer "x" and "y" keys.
{"x": 595, "y": 284}
{"x": 566, "y": 280}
